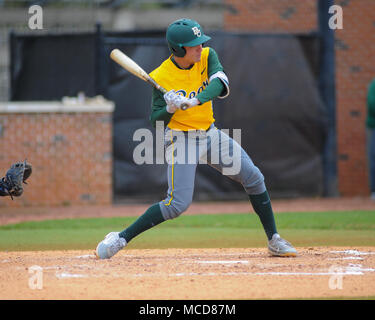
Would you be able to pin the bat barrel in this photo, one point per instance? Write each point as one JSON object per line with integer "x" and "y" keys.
{"x": 127, "y": 63}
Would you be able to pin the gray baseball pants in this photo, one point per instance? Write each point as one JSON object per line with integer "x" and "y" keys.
{"x": 185, "y": 150}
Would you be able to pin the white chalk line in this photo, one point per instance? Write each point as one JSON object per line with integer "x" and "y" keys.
{"x": 223, "y": 262}
{"x": 347, "y": 258}
{"x": 349, "y": 270}
{"x": 354, "y": 270}
{"x": 239, "y": 254}
{"x": 65, "y": 275}
{"x": 353, "y": 252}
{"x": 86, "y": 256}
{"x": 210, "y": 274}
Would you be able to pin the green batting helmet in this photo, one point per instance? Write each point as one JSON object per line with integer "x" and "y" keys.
{"x": 184, "y": 33}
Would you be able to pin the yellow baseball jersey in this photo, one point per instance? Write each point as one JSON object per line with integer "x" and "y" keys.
{"x": 187, "y": 83}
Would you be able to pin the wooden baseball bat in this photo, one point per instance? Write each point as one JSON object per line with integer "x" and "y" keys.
{"x": 127, "y": 63}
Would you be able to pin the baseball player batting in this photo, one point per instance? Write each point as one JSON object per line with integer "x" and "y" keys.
{"x": 194, "y": 76}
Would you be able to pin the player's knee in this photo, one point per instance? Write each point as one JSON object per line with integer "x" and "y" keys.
{"x": 254, "y": 183}
{"x": 179, "y": 207}
{"x": 175, "y": 208}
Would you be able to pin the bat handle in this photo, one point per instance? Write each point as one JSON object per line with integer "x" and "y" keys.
{"x": 184, "y": 106}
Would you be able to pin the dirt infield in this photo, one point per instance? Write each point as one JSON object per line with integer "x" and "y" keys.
{"x": 188, "y": 274}
{"x": 185, "y": 274}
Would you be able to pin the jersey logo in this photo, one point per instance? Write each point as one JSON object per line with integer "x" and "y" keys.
{"x": 192, "y": 94}
{"x": 196, "y": 31}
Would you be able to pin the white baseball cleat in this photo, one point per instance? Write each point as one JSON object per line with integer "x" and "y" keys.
{"x": 277, "y": 246}
{"x": 111, "y": 244}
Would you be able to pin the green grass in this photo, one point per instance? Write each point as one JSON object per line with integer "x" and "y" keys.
{"x": 352, "y": 228}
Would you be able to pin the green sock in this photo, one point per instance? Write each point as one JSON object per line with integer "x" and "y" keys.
{"x": 149, "y": 219}
{"x": 262, "y": 206}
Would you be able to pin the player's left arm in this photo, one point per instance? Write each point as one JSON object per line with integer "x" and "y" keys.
{"x": 218, "y": 86}
{"x": 158, "y": 109}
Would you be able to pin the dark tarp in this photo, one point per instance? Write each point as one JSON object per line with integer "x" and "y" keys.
{"x": 274, "y": 100}
{"x": 50, "y": 67}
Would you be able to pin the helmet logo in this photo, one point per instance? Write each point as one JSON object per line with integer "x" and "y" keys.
{"x": 196, "y": 31}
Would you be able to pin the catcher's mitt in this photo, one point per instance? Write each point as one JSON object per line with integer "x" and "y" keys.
{"x": 15, "y": 176}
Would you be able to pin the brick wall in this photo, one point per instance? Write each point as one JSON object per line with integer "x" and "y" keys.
{"x": 355, "y": 67}
{"x": 71, "y": 154}
{"x": 271, "y": 15}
